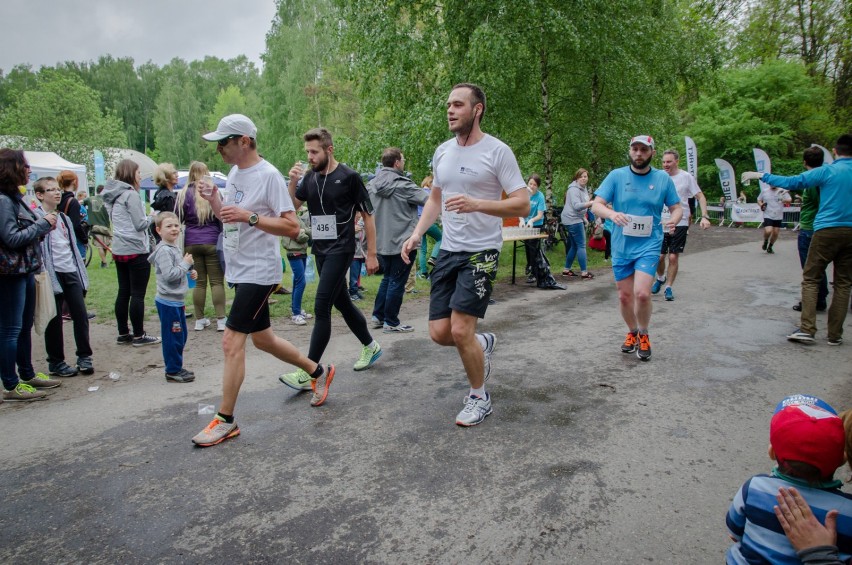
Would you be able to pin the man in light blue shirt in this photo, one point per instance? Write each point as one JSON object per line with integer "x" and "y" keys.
{"x": 832, "y": 239}
{"x": 637, "y": 194}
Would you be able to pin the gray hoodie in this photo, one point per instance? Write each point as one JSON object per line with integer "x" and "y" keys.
{"x": 395, "y": 200}
{"x": 129, "y": 221}
{"x": 575, "y": 204}
{"x": 171, "y": 272}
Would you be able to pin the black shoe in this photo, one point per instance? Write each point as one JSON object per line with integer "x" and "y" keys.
{"x": 85, "y": 366}
{"x": 765, "y": 244}
{"x": 182, "y": 376}
{"x": 822, "y": 307}
{"x": 90, "y": 315}
{"x": 125, "y": 339}
{"x": 282, "y": 290}
{"x": 798, "y": 307}
{"x": 62, "y": 369}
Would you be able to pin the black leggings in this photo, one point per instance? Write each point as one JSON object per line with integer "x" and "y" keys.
{"x": 133, "y": 278}
{"x": 332, "y": 291}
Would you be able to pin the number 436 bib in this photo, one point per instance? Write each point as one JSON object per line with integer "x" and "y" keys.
{"x": 324, "y": 227}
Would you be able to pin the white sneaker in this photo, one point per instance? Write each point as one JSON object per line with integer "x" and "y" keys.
{"x": 201, "y": 323}
{"x": 298, "y": 319}
{"x": 220, "y": 324}
{"x": 475, "y": 410}
{"x": 306, "y": 316}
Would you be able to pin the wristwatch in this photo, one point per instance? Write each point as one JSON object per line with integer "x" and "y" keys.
{"x": 253, "y": 219}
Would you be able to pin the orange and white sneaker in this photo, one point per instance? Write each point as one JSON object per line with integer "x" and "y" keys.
{"x": 630, "y": 342}
{"x": 321, "y": 384}
{"x": 644, "y": 351}
{"x": 216, "y": 431}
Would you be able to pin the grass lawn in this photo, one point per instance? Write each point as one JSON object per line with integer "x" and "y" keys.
{"x": 103, "y": 285}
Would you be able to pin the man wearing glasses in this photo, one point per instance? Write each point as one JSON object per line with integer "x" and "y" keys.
{"x": 256, "y": 210}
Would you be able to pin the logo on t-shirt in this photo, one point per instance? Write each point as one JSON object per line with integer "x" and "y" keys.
{"x": 468, "y": 171}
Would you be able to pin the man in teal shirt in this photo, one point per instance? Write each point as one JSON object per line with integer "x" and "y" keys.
{"x": 832, "y": 240}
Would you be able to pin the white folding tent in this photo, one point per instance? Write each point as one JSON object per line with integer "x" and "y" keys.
{"x": 48, "y": 164}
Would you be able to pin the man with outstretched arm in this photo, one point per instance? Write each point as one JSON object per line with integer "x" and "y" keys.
{"x": 471, "y": 171}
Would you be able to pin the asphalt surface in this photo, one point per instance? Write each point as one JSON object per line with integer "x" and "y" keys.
{"x": 590, "y": 456}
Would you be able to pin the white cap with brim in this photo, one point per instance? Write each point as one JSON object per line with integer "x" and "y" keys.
{"x": 644, "y": 140}
{"x": 234, "y": 124}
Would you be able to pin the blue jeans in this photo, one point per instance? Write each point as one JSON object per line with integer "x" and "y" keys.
{"x": 577, "y": 245}
{"x": 354, "y": 275}
{"x": 435, "y": 233}
{"x": 804, "y": 242}
{"x": 16, "y": 322}
{"x": 173, "y": 331}
{"x": 392, "y": 287}
{"x": 297, "y": 265}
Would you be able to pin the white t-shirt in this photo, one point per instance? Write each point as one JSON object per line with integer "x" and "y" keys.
{"x": 687, "y": 187}
{"x": 774, "y": 199}
{"x": 60, "y": 240}
{"x": 482, "y": 170}
{"x": 260, "y": 189}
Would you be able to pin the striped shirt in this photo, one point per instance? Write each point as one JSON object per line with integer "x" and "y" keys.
{"x": 760, "y": 537}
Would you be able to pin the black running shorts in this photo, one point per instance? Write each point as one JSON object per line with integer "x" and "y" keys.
{"x": 675, "y": 242}
{"x": 462, "y": 281}
{"x": 250, "y": 309}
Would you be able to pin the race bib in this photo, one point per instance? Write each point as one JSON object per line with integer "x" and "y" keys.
{"x": 638, "y": 226}
{"x": 324, "y": 227}
{"x": 666, "y": 215}
{"x": 452, "y": 217}
{"x": 231, "y": 237}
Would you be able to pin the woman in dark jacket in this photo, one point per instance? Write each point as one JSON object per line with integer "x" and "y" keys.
{"x": 166, "y": 178}
{"x": 70, "y": 206}
{"x": 20, "y": 259}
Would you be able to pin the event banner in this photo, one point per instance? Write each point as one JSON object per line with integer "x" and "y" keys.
{"x": 100, "y": 175}
{"x": 691, "y": 157}
{"x": 726, "y": 179}
{"x": 828, "y": 158}
{"x": 746, "y": 212}
{"x": 761, "y": 161}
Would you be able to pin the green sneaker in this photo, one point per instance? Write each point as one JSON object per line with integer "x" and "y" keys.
{"x": 40, "y": 380}
{"x": 369, "y": 355}
{"x": 298, "y": 379}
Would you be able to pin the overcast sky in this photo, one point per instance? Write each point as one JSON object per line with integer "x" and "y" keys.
{"x": 45, "y": 32}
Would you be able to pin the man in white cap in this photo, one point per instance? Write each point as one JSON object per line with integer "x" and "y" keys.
{"x": 255, "y": 211}
{"x": 637, "y": 194}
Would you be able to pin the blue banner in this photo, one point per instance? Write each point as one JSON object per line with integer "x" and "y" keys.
{"x": 100, "y": 174}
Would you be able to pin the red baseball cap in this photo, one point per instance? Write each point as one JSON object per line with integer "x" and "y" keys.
{"x": 806, "y": 429}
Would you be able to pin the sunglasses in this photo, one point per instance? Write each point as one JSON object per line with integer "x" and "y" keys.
{"x": 224, "y": 141}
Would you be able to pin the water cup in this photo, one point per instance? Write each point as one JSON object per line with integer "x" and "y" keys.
{"x": 190, "y": 281}
{"x": 209, "y": 185}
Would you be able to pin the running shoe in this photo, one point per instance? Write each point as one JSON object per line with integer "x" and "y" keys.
{"x": 644, "y": 350}
{"x": 402, "y": 328}
{"x": 835, "y": 341}
{"x": 85, "y": 365}
{"x": 488, "y": 351}
{"x": 765, "y": 244}
{"x": 23, "y": 393}
{"x": 801, "y": 337}
{"x": 475, "y": 410}
{"x": 375, "y": 323}
{"x": 655, "y": 288}
{"x": 145, "y": 339}
{"x": 40, "y": 380}
{"x": 61, "y": 369}
{"x": 201, "y": 323}
{"x": 298, "y": 319}
{"x": 769, "y": 250}
{"x": 216, "y": 431}
{"x": 182, "y": 376}
{"x": 669, "y": 294}
{"x": 369, "y": 355}
{"x": 320, "y": 386}
{"x": 630, "y": 344}
{"x": 298, "y": 380}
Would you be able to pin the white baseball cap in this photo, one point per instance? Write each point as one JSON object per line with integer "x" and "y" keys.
{"x": 644, "y": 140}
{"x": 233, "y": 124}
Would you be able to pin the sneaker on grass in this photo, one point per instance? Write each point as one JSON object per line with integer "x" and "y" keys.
{"x": 801, "y": 337}
{"x": 297, "y": 380}
{"x": 475, "y": 410}
{"x": 40, "y": 380}
{"x": 23, "y": 392}
{"x": 369, "y": 355}
{"x": 216, "y": 431}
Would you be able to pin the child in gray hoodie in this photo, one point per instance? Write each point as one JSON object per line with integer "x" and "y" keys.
{"x": 172, "y": 286}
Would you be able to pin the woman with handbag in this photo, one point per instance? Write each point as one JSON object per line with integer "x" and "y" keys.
{"x": 20, "y": 231}
{"x": 130, "y": 250}
{"x": 69, "y": 282}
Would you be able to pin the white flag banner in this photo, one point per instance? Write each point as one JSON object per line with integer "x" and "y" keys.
{"x": 726, "y": 179}
{"x": 691, "y": 157}
{"x": 746, "y": 212}
{"x": 828, "y": 158}
{"x": 763, "y": 165}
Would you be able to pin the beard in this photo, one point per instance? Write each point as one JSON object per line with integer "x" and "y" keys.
{"x": 321, "y": 165}
{"x": 640, "y": 164}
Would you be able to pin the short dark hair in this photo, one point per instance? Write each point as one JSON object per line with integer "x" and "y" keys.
{"x": 38, "y": 186}
{"x": 813, "y": 157}
{"x": 319, "y": 134}
{"x": 844, "y": 145}
{"x": 801, "y": 470}
{"x": 536, "y": 178}
{"x": 477, "y": 96}
{"x": 99, "y": 189}
{"x": 390, "y": 156}
{"x": 579, "y": 173}
{"x": 13, "y": 171}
